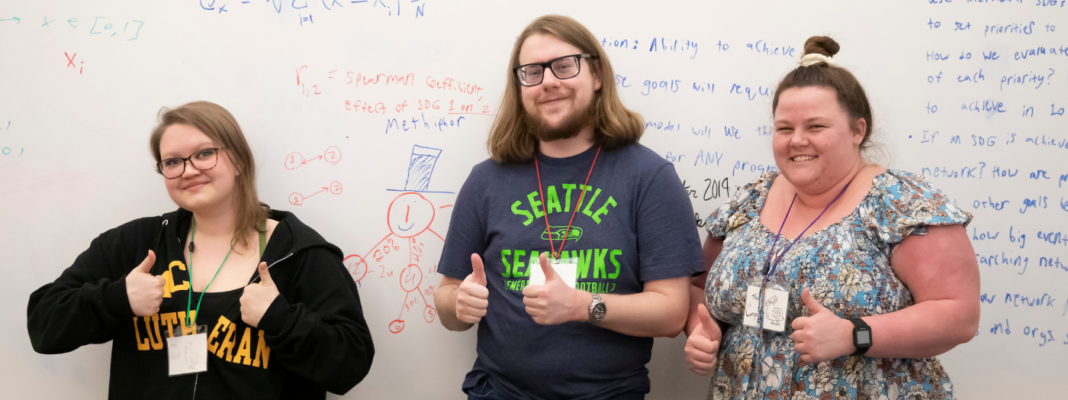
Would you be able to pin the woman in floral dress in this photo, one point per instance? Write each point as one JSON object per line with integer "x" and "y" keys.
{"x": 850, "y": 243}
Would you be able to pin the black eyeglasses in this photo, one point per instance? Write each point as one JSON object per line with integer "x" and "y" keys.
{"x": 174, "y": 167}
{"x": 565, "y": 67}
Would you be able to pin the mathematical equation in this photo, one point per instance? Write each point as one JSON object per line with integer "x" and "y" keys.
{"x": 128, "y": 30}
{"x": 306, "y": 10}
{"x": 446, "y": 99}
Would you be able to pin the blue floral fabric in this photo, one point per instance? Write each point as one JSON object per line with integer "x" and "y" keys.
{"x": 846, "y": 266}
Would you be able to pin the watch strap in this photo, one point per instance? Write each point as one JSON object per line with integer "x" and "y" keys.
{"x": 597, "y": 309}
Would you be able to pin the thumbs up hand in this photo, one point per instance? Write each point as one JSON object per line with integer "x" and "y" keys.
{"x": 257, "y": 298}
{"x": 145, "y": 290}
{"x": 703, "y": 343}
{"x": 554, "y": 302}
{"x": 472, "y": 298}
{"x": 822, "y": 335}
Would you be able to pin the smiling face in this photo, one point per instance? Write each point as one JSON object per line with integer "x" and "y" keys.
{"x": 816, "y": 143}
{"x": 197, "y": 190}
{"x": 557, "y": 109}
{"x": 410, "y": 214}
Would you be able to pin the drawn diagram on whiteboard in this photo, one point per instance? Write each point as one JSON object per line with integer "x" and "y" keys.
{"x": 409, "y": 217}
{"x": 295, "y": 160}
{"x": 298, "y": 199}
{"x": 420, "y": 169}
{"x": 331, "y": 156}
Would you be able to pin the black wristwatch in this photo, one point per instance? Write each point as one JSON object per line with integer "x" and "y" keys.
{"x": 597, "y": 309}
{"x": 861, "y": 336}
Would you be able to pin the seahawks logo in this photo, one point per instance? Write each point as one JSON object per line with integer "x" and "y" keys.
{"x": 558, "y": 232}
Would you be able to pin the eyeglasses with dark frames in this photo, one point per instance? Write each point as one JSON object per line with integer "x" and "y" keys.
{"x": 203, "y": 159}
{"x": 565, "y": 67}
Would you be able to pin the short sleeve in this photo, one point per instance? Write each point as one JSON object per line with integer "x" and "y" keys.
{"x": 903, "y": 204}
{"x": 668, "y": 243}
{"x": 467, "y": 228}
{"x": 744, "y": 206}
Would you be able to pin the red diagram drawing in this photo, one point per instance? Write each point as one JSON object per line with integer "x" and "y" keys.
{"x": 298, "y": 199}
{"x": 409, "y": 217}
{"x": 296, "y": 160}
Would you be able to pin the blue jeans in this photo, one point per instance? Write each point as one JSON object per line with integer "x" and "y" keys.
{"x": 485, "y": 391}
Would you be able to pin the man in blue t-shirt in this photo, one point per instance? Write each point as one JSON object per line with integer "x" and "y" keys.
{"x": 568, "y": 182}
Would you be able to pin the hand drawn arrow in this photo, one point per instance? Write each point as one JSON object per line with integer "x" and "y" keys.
{"x": 325, "y": 189}
{"x": 298, "y": 199}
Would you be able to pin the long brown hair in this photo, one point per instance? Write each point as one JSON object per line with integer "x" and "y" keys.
{"x": 510, "y": 138}
{"x": 850, "y": 93}
{"x": 219, "y": 125}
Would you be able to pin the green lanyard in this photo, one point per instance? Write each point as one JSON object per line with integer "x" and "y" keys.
{"x": 189, "y": 300}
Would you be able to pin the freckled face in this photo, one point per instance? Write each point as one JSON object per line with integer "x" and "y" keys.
{"x": 814, "y": 144}
{"x": 410, "y": 214}
{"x": 197, "y": 190}
{"x": 556, "y": 101}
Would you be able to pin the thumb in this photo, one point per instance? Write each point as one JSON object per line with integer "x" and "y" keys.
{"x": 265, "y": 275}
{"x": 810, "y": 302}
{"x": 705, "y": 318}
{"x": 147, "y": 264}
{"x": 478, "y": 271}
{"x": 550, "y": 273}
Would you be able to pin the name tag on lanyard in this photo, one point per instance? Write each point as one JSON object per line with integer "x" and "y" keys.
{"x": 775, "y": 301}
{"x": 566, "y": 268}
{"x": 187, "y": 352}
{"x": 752, "y": 305}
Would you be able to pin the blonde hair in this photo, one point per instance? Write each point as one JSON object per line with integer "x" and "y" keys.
{"x": 511, "y": 139}
{"x": 219, "y": 125}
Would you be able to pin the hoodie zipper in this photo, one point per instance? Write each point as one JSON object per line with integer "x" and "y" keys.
{"x": 273, "y": 264}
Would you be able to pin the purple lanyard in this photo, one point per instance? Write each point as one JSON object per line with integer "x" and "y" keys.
{"x": 768, "y": 263}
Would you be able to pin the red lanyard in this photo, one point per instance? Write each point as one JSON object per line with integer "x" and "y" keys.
{"x": 545, "y": 211}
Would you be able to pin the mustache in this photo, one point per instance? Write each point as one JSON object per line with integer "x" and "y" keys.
{"x": 566, "y": 129}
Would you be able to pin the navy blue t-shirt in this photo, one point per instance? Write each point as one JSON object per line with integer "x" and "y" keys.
{"x": 634, "y": 225}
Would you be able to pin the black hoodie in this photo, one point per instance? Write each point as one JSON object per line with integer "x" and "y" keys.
{"x": 312, "y": 338}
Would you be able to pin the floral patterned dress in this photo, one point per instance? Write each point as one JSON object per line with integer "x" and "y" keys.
{"x": 847, "y": 268}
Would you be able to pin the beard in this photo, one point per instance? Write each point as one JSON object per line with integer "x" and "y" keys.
{"x": 568, "y": 128}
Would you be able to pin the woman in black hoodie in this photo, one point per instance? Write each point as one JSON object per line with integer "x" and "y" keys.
{"x": 279, "y": 312}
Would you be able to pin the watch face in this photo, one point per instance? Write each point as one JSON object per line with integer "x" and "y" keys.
{"x": 598, "y": 311}
{"x": 864, "y": 338}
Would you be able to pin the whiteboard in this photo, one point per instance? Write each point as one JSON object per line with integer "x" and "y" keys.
{"x": 349, "y": 105}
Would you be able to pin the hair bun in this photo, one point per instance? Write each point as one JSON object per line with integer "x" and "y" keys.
{"x": 821, "y": 45}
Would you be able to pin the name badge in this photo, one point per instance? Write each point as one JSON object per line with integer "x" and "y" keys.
{"x": 187, "y": 354}
{"x": 566, "y": 268}
{"x": 752, "y": 307}
{"x": 775, "y": 302}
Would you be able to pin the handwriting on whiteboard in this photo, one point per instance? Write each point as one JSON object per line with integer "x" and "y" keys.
{"x": 9, "y": 142}
{"x": 426, "y": 103}
{"x": 128, "y": 30}
{"x": 307, "y": 10}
